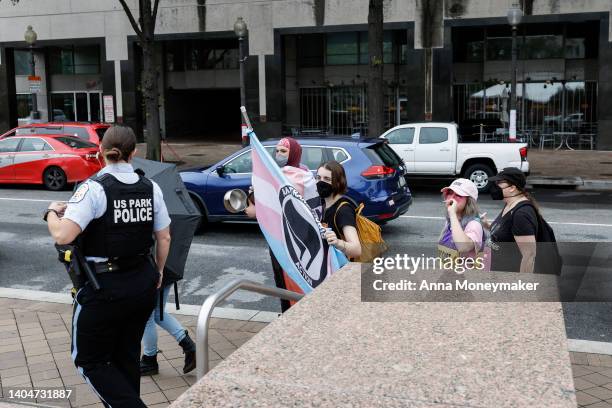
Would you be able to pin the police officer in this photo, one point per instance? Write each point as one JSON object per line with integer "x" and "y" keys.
{"x": 117, "y": 216}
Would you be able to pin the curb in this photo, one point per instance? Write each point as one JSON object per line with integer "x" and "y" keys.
{"x": 577, "y": 183}
{"x": 249, "y": 315}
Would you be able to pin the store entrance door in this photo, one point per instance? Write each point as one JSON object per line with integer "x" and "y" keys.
{"x": 76, "y": 106}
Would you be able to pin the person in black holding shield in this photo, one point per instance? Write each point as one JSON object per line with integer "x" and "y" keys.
{"x": 116, "y": 218}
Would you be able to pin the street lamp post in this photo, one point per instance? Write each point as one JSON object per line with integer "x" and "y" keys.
{"x": 515, "y": 15}
{"x": 240, "y": 29}
{"x": 30, "y": 37}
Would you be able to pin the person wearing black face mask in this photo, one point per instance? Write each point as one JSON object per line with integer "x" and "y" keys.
{"x": 338, "y": 210}
{"x": 514, "y": 231}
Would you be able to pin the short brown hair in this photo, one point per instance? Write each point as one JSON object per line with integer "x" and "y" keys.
{"x": 118, "y": 143}
{"x": 339, "y": 185}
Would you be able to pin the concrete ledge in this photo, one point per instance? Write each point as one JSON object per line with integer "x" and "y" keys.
{"x": 333, "y": 350}
{"x": 587, "y": 346}
{"x": 570, "y": 182}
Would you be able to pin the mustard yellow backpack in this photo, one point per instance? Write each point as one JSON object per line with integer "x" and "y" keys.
{"x": 370, "y": 236}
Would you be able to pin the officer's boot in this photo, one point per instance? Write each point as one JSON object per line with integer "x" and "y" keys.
{"x": 189, "y": 349}
{"x": 148, "y": 365}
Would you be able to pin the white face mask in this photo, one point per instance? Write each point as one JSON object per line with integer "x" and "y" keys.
{"x": 281, "y": 159}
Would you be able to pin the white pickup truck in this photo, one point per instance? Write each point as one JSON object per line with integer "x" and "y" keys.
{"x": 432, "y": 149}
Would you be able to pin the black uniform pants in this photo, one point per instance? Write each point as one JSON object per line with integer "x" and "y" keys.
{"x": 107, "y": 328}
{"x": 279, "y": 279}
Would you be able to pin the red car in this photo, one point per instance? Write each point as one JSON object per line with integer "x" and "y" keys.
{"x": 52, "y": 160}
{"x": 91, "y": 132}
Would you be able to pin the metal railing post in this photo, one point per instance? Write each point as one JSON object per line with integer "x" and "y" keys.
{"x": 213, "y": 300}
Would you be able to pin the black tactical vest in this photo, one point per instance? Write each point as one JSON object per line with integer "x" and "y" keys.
{"x": 126, "y": 228}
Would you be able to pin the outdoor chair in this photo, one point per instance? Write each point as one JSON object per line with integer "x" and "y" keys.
{"x": 547, "y": 138}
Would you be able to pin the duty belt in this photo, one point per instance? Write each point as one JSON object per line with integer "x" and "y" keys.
{"x": 117, "y": 265}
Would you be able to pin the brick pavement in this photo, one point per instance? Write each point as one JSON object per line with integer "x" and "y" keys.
{"x": 35, "y": 352}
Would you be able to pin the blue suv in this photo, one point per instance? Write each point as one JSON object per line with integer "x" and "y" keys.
{"x": 375, "y": 176}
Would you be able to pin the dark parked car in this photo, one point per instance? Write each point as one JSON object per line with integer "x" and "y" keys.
{"x": 375, "y": 176}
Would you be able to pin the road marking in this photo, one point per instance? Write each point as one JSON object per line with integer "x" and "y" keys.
{"x": 26, "y": 199}
{"x": 577, "y": 224}
{"x": 251, "y": 315}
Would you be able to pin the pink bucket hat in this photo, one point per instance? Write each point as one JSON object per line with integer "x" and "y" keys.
{"x": 463, "y": 187}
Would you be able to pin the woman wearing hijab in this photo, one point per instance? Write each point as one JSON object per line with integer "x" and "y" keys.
{"x": 288, "y": 154}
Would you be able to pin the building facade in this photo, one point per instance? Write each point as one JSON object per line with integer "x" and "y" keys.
{"x": 444, "y": 60}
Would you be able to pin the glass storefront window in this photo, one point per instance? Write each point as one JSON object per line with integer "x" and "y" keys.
{"x": 203, "y": 55}
{"x": 310, "y": 50}
{"x": 387, "y": 48}
{"x": 22, "y": 62}
{"x": 474, "y": 51}
{"x": 342, "y": 48}
{"x": 24, "y": 105}
{"x": 63, "y": 106}
{"x": 541, "y": 47}
{"x": 499, "y": 48}
{"x": 575, "y": 48}
{"x": 75, "y": 60}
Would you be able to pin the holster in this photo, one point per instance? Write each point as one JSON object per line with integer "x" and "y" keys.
{"x": 66, "y": 257}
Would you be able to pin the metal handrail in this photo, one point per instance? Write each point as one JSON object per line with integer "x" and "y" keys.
{"x": 213, "y": 300}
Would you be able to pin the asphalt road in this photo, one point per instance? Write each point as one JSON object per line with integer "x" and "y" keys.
{"x": 237, "y": 250}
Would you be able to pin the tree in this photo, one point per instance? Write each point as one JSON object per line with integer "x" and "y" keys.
{"x": 145, "y": 31}
{"x": 375, "y": 72}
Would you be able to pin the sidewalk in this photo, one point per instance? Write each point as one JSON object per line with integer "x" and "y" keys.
{"x": 35, "y": 352}
{"x": 581, "y": 169}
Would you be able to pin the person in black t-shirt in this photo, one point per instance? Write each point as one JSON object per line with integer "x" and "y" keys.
{"x": 338, "y": 210}
{"x": 514, "y": 231}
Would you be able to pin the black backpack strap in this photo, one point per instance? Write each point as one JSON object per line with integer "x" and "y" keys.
{"x": 176, "y": 297}
{"x": 348, "y": 202}
{"x": 539, "y": 218}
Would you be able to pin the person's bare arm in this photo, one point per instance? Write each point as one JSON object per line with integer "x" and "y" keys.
{"x": 162, "y": 247}
{"x": 62, "y": 230}
{"x": 527, "y": 246}
{"x": 350, "y": 246}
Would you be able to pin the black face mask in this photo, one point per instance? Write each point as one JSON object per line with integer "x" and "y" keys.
{"x": 324, "y": 189}
{"x": 497, "y": 193}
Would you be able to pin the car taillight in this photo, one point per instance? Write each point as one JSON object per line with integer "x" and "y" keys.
{"x": 385, "y": 216}
{"x": 377, "y": 171}
{"x": 90, "y": 156}
{"x": 523, "y": 152}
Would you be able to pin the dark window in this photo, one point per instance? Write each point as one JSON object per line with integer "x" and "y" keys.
{"x": 387, "y": 48}
{"x": 401, "y": 136}
{"x": 75, "y": 143}
{"x": 240, "y": 164}
{"x": 175, "y": 56}
{"x": 311, "y": 50}
{"x": 468, "y": 44}
{"x": 381, "y": 153}
{"x": 575, "y": 48}
{"x": 541, "y": 47}
{"x": 63, "y": 106}
{"x": 79, "y": 132}
{"x": 75, "y": 60}
{"x": 22, "y": 63}
{"x": 100, "y": 131}
{"x": 342, "y": 48}
{"x": 312, "y": 157}
{"x": 32, "y": 144}
{"x": 432, "y": 135}
{"x": 499, "y": 48}
{"x": 24, "y": 105}
{"x": 202, "y": 55}
{"x": 9, "y": 145}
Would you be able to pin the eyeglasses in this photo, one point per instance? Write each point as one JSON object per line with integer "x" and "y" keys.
{"x": 325, "y": 179}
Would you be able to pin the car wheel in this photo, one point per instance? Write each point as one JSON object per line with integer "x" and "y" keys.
{"x": 54, "y": 178}
{"x": 479, "y": 174}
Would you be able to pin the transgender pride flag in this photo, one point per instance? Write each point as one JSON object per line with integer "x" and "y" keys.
{"x": 290, "y": 226}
